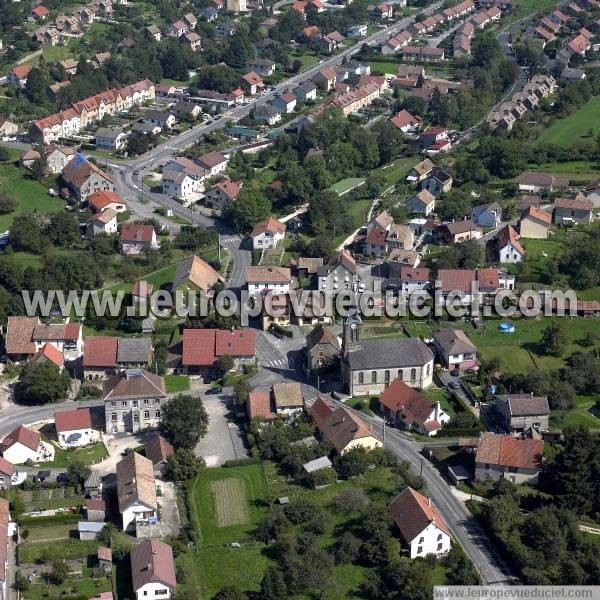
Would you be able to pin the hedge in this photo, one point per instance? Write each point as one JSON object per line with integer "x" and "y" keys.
{"x": 241, "y": 462}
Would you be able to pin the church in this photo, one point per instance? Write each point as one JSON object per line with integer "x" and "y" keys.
{"x": 369, "y": 366}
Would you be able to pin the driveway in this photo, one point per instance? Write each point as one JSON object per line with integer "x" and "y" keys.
{"x": 169, "y": 512}
{"x": 224, "y": 440}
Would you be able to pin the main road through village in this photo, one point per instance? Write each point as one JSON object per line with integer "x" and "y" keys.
{"x": 128, "y": 177}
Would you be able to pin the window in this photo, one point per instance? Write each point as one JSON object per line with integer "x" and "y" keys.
{"x": 361, "y": 377}
{"x": 387, "y": 376}
{"x": 487, "y": 466}
{"x": 136, "y": 418}
{"x": 146, "y": 401}
{"x": 113, "y": 417}
{"x": 421, "y": 540}
{"x": 374, "y": 377}
{"x": 439, "y": 537}
{"x": 135, "y": 404}
{"x": 113, "y": 404}
{"x": 420, "y": 550}
{"x": 439, "y": 547}
{"x": 123, "y": 402}
{"x": 413, "y": 374}
{"x": 400, "y": 374}
{"x": 157, "y": 414}
{"x": 429, "y": 369}
{"x": 146, "y": 414}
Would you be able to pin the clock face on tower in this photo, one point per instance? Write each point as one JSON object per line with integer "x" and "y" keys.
{"x": 353, "y": 326}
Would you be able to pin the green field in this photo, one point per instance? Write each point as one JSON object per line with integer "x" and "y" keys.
{"x": 79, "y": 587}
{"x": 177, "y": 383}
{"x": 577, "y": 125}
{"x": 345, "y": 185}
{"x": 31, "y": 195}
{"x": 90, "y": 455}
{"x": 381, "y": 67}
{"x": 63, "y": 549}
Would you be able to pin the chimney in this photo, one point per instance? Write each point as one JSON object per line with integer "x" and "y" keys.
{"x": 429, "y": 501}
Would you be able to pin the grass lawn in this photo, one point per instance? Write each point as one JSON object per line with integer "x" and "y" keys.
{"x": 365, "y": 404}
{"x": 438, "y": 395}
{"x": 62, "y": 549}
{"x": 177, "y": 383}
{"x": 577, "y": 125}
{"x": 81, "y": 587}
{"x": 382, "y": 67}
{"x": 397, "y": 170}
{"x": 45, "y": 533}
{"x": 582, "y": 414}
{"x": 90, "y": 455}
{"x": 31, "y": 195}
{"x": 576, "y": 169}
{"x": 345, "y": 185}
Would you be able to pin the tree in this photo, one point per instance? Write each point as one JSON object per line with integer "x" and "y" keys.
{"x": 4, "y": 155}
{"x": 41, "y": 383}
{"x": 241, "y": 391}
{"x": 250, "y": 207}
{"x": 555, "y": 339}
{"x": 139, "y": 143}
{"x": 62, "y": 229}
{"x": 7, "y": 203}
{"x": 77, "y": 473}
{"x": 352, "y": 500}
{"x": 184, "y": 465}
{"x": 26, "y": 233}
{"x": 224, "y": 364}
{"x": 353, "y": 462}
{"x": 272, "y": 586}
{"x": 195, "y": 238}
{"x": 347, "y": 548}
{"x": 21, "y": 582}
{"x": 219, "y": 78}
{"x": 184, "y": 421}
{"x": 59, "y": 573}
{"x": 35, "y": 87}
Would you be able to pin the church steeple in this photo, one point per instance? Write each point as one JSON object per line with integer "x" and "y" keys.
{"x": 351, "y": 328}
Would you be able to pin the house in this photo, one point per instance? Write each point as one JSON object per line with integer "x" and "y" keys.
{"x": 380, "y": 12}
{"x": 95, "y": 510}
{"x": 305, "y": 91}
{"x": 38, "y": 13}
{"x": 213, "y": 162}
{"x": 457, "y": 232}
{"x": 135, "y": 237}
{"x": 18, "y": 76}
{"x": 509, "y": 247}
{"x": 158, "y": 118}
{"x": 112, "y": 139}
{"x": 286, "y": 102}
{"x": 84, "y": 178}
{"x": 573, "y": 211}
{"x": 193, "y": 40}
{"x": 376, "y": 243}
{"x": 345, "y": 430}
{"x": 184, "y": 109}
{"x": 100, "y": 201}
{"x": 534, "y": 182}
{"x": 105, "y": 558}
{"x": 49, "y": 353}
{"x": 57, "y": 157}
{"x": 103, "y": 223}
{"x": 357, "y": 31}
{"x": 153, "y": 570}
{"x": 571, "y": 74}
{"x": 74, "y": 427}
{"x": 406, "y": 123}
{"x": 432, "y": 135}
{"x": 275, "y": 279}
{"x": 520, "y": 412}
{"x": 322, "y": 348}
{"x": 195, "y": 272}
{"x": 20, "y": 445}
{"x": 136, "y": 491}
{"x": 369, "y": 366}
{"x": 252, "y": 83}
{"x": 158, "y": 450}
{"x": 325, "y": 79}
{"x": 288, "y": 399}
{"x": 412, "y": 279}
{"x": 7, "y": 128}
{"x": 503, "y": 456}
{"x": 8, "y": 474}
{"x": 455, "y": 349}
{"x": 267, "y": 233}
{"x": 404, "y": 406}
{"x": 267, "y": 113}
{"x": 260, "y": 405}
{"x": 264, "y": 67}
{"x": 153, "y": 31}
{"x": 535, "y": 223}
{"x": 201, "y": 348}
{"x": 181, "y": 185}
{"x": 422, "y": 203}
{"x": 438, "y": 181}
{"x": 419, "y": 172}
{"x": 487, "y": 215}
{"x": 421, "y": 526}
{"x": 177, "y": 29}
{"x": 132, "y": 401}
{"x": 103, "y": 355}
{"x": 484, "y": 283}
{"x": 221, "y": 195}
{"x": 339, "y": 273}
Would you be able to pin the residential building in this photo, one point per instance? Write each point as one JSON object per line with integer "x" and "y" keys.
{"x": 573, "y": 211}
{"x": 74, "y": 427}
{"x": 421, "y": 526}
{"x": 487, "y": 215}
{"x": 266, "y": 113}
{"x": 264, "y": 67}
{"x": 103, "y": 355}
{"x": 357, "y": 31}
{"x": 533, "y": 182}
{"x": 406, "y": 122}
{"x": 135, "y": 237}
{"x": 153, "y": 570}
{"x": 8, "y": 129}
{"x": 438, "y": 181}
{"x": 273, "y": 279}
{"x": 57, "y": 157}
{"x": 338, "y": 274}
{"x": 8, "y": 475}
{"x": 503, "y": 456}
{"x": 411, "y": 278}
{"x": 95, "y": 511}
{"x": 456, "y": 350}
{"x": 260, "y": 405}
{"x": 22, "y": 444}
{"x": 101, "y": 201}
{"x": 345, "y": 430}
{"x": 457, "y": 232}
{"x": 221, "y": 195}
{"x": 422, "y": 203}
{"x": 520, "y": 412}
{"x": 288, "y": 399}
{"x": 154, "y": 32}
{"x": 194, "y": 272}
{"x": 158, "y": 118}
{"x": 193, "y": 40}
{"x": 267, "y": 234}
{"x": 286, "y": 102}
{"x": 158, "y": 450}
{"x": 251, "y": 83}
{"x": 325, "y": 79}
{"x": 213, "y": 162}
{"x": 136, "y": 492}
{"x": 112, "y": 139}
{"x": 305, "y": 91}
{"x": 369, "y": 366}
{"x": 404, "y": 406}
{"x": 84, "y": 178}
{"x": 103, "y": 223}
{"x": 18, "y": 76}
{"x": 132, "y": 401}
{"x": 322, "y": 348}
{"x": 419, "y": 172}
{"x": 535, "y": 223}
{"x": 509, "y": 247}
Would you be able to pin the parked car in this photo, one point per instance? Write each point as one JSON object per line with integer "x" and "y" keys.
{"x": 214, "y": 390}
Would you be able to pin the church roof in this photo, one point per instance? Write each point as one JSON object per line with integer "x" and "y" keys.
{"x": 390, "y": 353}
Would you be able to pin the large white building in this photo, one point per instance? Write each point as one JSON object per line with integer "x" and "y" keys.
{"x": 74, "y": 427}
{"x": 421, "y": 526}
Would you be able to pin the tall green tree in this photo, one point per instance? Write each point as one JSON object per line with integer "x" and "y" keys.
{"x": 184, "y": 421}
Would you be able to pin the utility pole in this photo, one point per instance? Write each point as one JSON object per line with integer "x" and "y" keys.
{"x": 219, "y": 246}
{"x": 384, "y": 431}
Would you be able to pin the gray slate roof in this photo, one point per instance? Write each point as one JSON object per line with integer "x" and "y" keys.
{"x": 381, "y": 354}
{"x": 522, "y": 405}
{"x": 134, "y": 350}
{"x": 316, "y": 464}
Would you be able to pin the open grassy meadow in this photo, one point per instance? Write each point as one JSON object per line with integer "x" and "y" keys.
{"x": 577, "y": 125}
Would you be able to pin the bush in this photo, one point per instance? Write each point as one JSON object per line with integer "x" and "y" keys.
{"x": 241, "y": 462}
{"x": 62, "y": 519}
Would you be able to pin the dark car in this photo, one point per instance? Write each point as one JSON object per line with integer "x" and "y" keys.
{"x": 455, "y": 373}
{"x": 454, "y": 385}
{"x": 215, "y": 390}
{"x": 62, "y": 479}
{"x": 43, "y": 475}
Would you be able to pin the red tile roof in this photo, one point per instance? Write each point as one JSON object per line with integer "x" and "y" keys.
{"x": 137, "y": 232}
{"x": 321, "y": 409}
{"x": 343, "y": 426}
{"x": 270, "y": 224}
{"x": 6, "y": 468}
{"x": 51, "y": 353}
{"x": 260, "y": 405}
{"x": 579, "y": 203}
{"x": 409, "y": 273}
{"x": 158, "y": 449}
{"x": 411, "y": 406}
{"x": 538, "y": 214}
{"x": 100, "y": 200}
{"x": 100, "y": 351}
{"x": 22, "y": 435}
{"x": 22, "y": 71}
{"x": 70, "y": 420}
{"x": 202, "y": 347}
{"x": 19, "y": 335}
{"x": 40, "y": 11}
{"x": 508, "y": 235}
{"x": 413, "y": 513}
{"x": 508, "y": 451}
{"x": 152, "y": 561}
{"x": 404, "y": 118}
{"x": 241, "y": 342}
